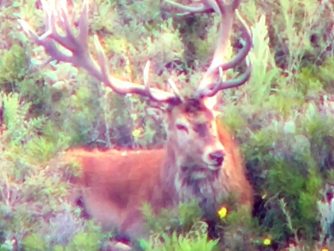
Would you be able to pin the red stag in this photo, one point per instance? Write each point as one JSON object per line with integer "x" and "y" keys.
{"x": 200, "y": 160}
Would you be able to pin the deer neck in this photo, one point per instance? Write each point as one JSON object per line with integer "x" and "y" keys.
{"x": 168, "y": 175}
{"x": 179, "y": 188}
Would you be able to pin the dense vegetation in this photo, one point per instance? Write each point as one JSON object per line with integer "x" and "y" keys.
{"x": 283, "y": 119}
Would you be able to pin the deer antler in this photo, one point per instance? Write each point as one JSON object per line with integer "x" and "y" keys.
{"x": 209, "y": 84}
{"x": 80, "y": 56}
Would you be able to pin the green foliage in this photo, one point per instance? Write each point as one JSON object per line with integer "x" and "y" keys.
{"x": 41, "y": 148}
{"x": 283, "y": 118}
{"x": 201, "y": 36}
{"x": 300, "y": 195}
{"x": 34, "y": 242}
{"x": 238, "y": 218}
{"x": 292, "y": 23}
{"x": 195, "y": 240}
{"x": 7, "y": 246}
{"x": 314, "y": 80}
{"x": 324, "y": 73}
{"x": 308, "y": 83}
{"x": 15, "y": 113}
{"x": 13, "y": 67}
{"x": 288, "y": 155}
{"x": 29, "y": 134}
{"x": 239, "y": 230}
{"x": 264, "y": 71}
{"x": 90, "y": 241}
{"x": 181, "y": 218}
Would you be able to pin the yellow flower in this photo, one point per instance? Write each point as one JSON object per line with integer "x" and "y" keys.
{"x": 266, "y": 241}
{"x": 222, "y": 212}
{"x": 324, "y": 249}
{"x": 136, "y": 133}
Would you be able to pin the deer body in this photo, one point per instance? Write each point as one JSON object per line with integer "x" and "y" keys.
{"x": 200, "y": 160}
{"x": 115, "y": 184}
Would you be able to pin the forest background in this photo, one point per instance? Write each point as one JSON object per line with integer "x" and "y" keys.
{"x": 282, "y": 118}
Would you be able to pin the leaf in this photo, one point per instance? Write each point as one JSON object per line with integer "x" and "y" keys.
{"x": 289, "y": 127}
{"x": 34, "y": 242}
{"x": 264, "y": 71}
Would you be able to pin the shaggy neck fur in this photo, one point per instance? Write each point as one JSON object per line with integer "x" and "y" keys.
{"x": 181, "y": 186}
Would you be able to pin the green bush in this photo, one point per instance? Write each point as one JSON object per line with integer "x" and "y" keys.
{"x": 195, "y": 239}
{"x": 283, "y": 119}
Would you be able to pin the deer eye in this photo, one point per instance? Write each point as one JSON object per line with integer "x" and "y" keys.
{"x": 201, "y": 129}
{"x": 182, "y": 128}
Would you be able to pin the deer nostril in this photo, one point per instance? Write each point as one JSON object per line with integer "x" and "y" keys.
{"x": 217, "y": 156}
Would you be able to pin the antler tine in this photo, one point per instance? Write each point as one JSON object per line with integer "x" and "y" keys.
{"x": 153, "y": 94}
{"x": 202, "y": 7}
{"x": 212, "y": 86}
{"x": 206, "y": 6}
{"x": 80, "y": 56}
{"x": 209, "y": 85}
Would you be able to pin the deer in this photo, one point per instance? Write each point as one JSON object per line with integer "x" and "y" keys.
{"x": 200, "y": 161}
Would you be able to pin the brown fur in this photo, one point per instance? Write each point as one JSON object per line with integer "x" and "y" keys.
{"x": 115, "y": 183}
